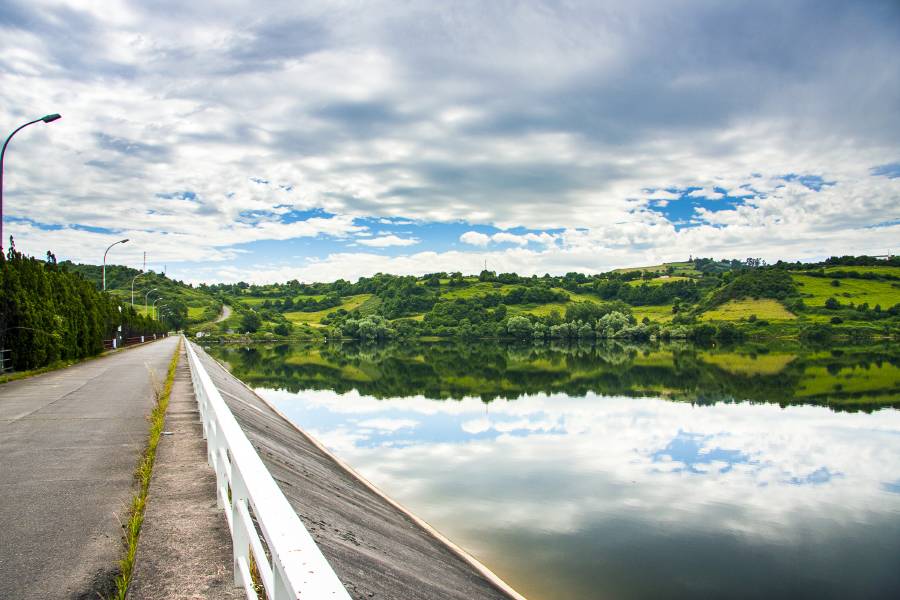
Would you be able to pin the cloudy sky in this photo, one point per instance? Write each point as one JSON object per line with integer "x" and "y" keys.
{"x": 265, "y": 141}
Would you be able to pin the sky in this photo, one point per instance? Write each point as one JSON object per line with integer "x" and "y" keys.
{"x": 320, "y": 140}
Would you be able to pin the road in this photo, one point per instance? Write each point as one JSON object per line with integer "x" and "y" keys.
{"x": 226, "y": 312}
{"x": 69, "y": 443}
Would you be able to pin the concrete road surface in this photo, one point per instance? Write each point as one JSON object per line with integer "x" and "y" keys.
{"x": 69, "y": 443}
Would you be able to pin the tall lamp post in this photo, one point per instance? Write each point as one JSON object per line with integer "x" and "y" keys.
{"x": 141, "y": 274}
{"x": 104, "y": 260}
{"x": 45, "y": 119}
{"x": 147, "y": 297}
{"x": 153, "y": 312}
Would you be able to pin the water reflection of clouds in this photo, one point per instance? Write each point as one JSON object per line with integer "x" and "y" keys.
{"x": 755, "y": 469}
{"x": 694, "y": 453}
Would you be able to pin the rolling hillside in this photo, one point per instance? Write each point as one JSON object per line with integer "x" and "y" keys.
{"x": 677, "y": 299}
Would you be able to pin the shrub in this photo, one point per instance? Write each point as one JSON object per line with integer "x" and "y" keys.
{"x": 519, "y": 327}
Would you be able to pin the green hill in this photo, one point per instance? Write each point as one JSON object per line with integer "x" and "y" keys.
{"x": 186, "y": 304}
{"x": 699, "y": 299}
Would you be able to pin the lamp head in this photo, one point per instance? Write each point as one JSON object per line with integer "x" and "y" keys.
{"x": 123, "y": 241}
{"x": 51, "y": 118}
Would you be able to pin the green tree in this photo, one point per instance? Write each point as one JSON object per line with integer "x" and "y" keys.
{"x": 251, "y": 322}
{"x": 519, "y": 327}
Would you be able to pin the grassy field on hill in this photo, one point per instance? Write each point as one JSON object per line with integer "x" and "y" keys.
{"x": 816, "y": 290}
{"x": 737, "y": 310}
{"x": 659, "y": 314}
{"x": 315, "y": 318}
{"x": 875, "y": 270}
{"x": 679, "y": 268}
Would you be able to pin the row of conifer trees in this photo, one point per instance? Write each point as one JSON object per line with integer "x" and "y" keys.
{"x": 48, "y": 314}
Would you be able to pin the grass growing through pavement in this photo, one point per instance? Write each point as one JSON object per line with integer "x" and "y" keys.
{"x": 143, "y": 473}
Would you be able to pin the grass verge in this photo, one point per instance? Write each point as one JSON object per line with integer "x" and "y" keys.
{"x": 142, "y": 474}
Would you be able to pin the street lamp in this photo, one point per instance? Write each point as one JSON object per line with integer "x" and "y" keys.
{"x": 153, "y": 311}
{"x": 147, "y": 297}
{"x": 104, "y": 260}
{"x": 141, "y": 274}
{"x": 45, "y": 119}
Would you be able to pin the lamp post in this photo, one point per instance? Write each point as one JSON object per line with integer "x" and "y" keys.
{"x": 154, "y": 306}
{"x": 147, "y": 297}
{"x": 104, "y": 260}
{"x": 132, "y": 286}
{"x": 45, "y": 119}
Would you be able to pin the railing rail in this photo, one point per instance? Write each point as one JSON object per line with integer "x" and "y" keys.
{"x": 294, "y": 567}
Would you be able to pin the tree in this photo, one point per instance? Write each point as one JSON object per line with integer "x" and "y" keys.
{"x": 832, "y": 304}
{"x": 251, "y": 322}
{"x": 611, "y": 323}
{"x": 519, "y": 327}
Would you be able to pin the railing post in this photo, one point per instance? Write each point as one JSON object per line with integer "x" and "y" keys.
{"x": 281, "y": 591}
{"x": 215, "y": 462}
{"x": 240, "y": 537}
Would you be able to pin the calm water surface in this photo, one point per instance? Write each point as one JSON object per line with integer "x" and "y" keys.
{"x": 616, "y": 472}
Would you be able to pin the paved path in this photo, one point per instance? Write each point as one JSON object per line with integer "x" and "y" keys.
{"x": 69, "y": 443}
{"x": 184, "y": 551}
{"x": 226, "y": 312}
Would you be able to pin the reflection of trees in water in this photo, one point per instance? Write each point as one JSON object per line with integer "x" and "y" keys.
{"x": 453, "y": 370}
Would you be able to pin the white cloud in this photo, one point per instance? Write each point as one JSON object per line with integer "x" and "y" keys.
{"x": 383, "y": 424}
{"x": 333, "y": 116}
{"x": 475, "y": 239}
{"x": 510, "y": 238}
{"x": 706, "y": 193}
{"x": 388, "y": 240}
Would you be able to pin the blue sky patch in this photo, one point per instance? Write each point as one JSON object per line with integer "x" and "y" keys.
{"x": 813, "y": 182}
{"x": 817, "y": 477}
{"x": 185, "y": 195}
{"x": 890, "y": 170}
{"x": 682, "y": 212}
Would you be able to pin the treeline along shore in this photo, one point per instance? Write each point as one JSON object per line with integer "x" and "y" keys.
{"x": 55, "y": 311}
{"x": 698, "y": 300}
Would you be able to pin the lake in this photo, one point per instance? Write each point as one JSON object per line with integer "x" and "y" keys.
{"x": 616, "y": 471}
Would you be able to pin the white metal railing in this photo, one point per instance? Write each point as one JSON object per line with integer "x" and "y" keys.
{"x": 297, "y": 568}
